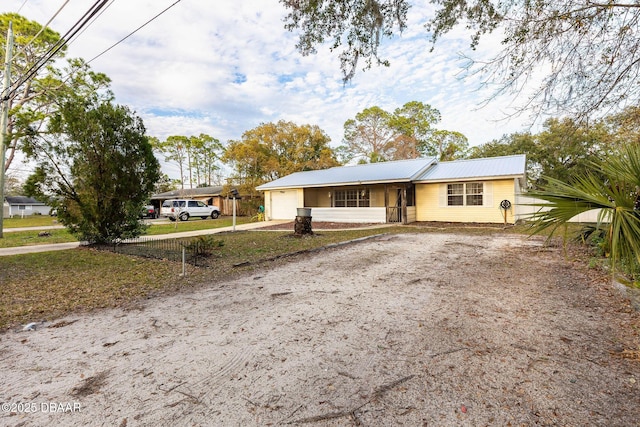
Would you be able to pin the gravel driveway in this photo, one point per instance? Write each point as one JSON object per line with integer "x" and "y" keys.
{"x": 410, "y": 329}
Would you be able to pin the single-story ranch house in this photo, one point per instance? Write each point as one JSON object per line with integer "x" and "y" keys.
{"x": 404, "y": 191}
{"x": 23, "y": 206}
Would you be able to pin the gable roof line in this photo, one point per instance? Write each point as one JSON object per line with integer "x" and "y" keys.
{"x": 23, "y": 200}
{"x": 404, "y": 171}
{"x": 422, "y": 171}
{"x": 476, "y": 169}
{"x": 370, "y": 173}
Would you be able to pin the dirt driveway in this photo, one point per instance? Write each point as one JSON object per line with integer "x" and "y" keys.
{"x": 415, "y": 329}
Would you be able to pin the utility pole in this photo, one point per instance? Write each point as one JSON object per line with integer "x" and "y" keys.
{"x": 4, "y": 118}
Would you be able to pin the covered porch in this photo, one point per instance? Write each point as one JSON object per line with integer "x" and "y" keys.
{"x": 381, "y": 203}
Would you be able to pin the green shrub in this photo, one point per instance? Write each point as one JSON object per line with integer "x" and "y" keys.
{"x": 203, "y": 246}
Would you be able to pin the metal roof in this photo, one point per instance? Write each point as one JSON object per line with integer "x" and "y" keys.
{"x": 189, "y": 192}
{"x": 415, "y": 170}
{"x": 23, "y": 200}
{"x": 370, "y": 173}
{"x": 504, "y": 166}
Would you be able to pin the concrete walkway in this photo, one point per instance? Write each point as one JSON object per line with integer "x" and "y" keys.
{"x": 18, "y": 250}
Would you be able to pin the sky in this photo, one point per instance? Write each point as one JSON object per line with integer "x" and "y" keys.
{"x": 224, "y": 67}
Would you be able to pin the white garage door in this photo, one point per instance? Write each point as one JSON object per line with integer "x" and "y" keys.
{"x": 284, "y": 204}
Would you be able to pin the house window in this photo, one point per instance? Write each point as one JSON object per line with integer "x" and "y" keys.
{"x": 466, "y": 194}
{"x": 455, "y": 194}
{"x": 352, "y": 198}
{"x": 474, "y": 193}
{"x": 411, "y": 196}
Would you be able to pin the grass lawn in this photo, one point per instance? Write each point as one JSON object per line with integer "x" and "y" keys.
{"x": 29, "y": 221}
{"x": 195, "y": 224}
{"x": 45, "y": 286}
{"x": 30, "y": 237}
{"x": 26, "y": 238}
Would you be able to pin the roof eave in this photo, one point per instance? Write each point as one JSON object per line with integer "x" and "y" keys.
{"x": 336, "y": 184}
{"x": 470, "y": 178}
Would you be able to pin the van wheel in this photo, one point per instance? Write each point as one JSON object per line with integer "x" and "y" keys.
{"x": 215, "y": 214}
{"x": 172, "y": 219}
{"x": 184, "y": 216}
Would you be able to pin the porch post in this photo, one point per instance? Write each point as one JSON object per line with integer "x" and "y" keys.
{"x": 386, "y": 203}
{"x": 404, "y": 204}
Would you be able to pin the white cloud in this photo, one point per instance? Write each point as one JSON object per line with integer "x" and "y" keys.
{"x": 224, "y": 67}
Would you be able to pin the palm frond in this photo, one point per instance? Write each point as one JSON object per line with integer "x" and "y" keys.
{"x": 616, "y": 196}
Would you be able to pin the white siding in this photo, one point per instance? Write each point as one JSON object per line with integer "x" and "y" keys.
{"x": 523, "y": 211}
{"x": 15, "y": 211}
{"x": 284, "y": 204}
{"x": 373, "y": 215}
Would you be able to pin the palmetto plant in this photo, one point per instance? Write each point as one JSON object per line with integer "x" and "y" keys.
{"x": 615, "y": 190}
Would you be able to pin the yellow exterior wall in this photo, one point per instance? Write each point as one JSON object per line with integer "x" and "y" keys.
{"x": 266, "y": 204}
{"x": 431, "y": 203}
{"x": 317, "y": 198}
{"x": 376, "y": 194}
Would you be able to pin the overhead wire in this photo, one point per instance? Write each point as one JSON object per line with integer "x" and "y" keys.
{"x": 24, "y": 48}
{"x": 133, "y": 32}
{"x": 53, "y": 50}
{"x": 67, "y": 39}
{"x": 103, "y": 10}
{"x": 23, "y": 3}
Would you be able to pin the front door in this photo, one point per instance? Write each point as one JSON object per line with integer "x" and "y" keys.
{"x": 394, "y": 208}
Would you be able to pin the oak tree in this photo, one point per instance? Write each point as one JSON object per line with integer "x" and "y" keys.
{"x": 564, "y": 149}
{"x": 273, "y": 150}
{"x": 586, "y": 53}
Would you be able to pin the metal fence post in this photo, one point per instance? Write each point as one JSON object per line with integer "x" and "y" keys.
{"x": 184, "y": 257}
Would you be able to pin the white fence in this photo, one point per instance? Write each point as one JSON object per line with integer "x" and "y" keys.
{"x": 523, "y": 210}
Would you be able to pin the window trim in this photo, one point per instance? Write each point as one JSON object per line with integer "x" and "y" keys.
{"x": 455, "y": 192}
{"x": 468, "y": 194}
{"x": 351, "y": 198}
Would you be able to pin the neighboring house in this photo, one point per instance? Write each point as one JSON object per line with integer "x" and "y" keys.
{"x": 24, "y": 206}
{"x": 209, "y": 195}
{"x": 403, "y": 191}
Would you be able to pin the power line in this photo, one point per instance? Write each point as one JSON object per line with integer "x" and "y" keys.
{"x": 23, "y": 3}
{"x": 103, "y": 10}
{"x": 133, "y": 32}
{"x": 61, "y": 43}
{"x": 53, "y": 50}
{"x": 24, "y": 48}
{"x": 93, "y": 13}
